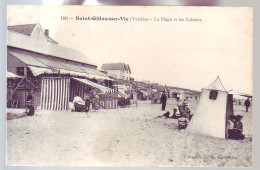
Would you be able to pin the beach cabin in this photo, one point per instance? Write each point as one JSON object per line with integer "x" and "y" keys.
{"x": 213, "y": 111}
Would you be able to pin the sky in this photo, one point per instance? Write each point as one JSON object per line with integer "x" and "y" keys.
{"x": 181, "y": 54}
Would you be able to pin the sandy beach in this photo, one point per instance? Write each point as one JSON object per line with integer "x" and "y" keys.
{"x": 132, "y": 136}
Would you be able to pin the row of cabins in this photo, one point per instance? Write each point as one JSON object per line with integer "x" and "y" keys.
{"x": 37, "y": 65}
{"x": 154, "y": 91}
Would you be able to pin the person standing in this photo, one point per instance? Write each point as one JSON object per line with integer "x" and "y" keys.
{"x": 87, "y": 102}
{"x": 247, "y": 104}
{"x": 163, "y": 100}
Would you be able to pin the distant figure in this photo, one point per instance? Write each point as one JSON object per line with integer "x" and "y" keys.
{"x": 239, "y": 102}
{"x": 247, "y": 104}
{"x": 163, "y": 100}
{"x": 79, "y": 104}
{"x": 87, "y": 102}
{"x": 128, "y": 99}
{"x": 134, "y": 98}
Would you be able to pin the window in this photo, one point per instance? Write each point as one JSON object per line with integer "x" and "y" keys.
{"x": 213, "y": 94}
{"x": 20, "y": 71}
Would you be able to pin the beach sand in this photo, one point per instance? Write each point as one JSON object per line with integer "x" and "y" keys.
{"x": 132, "y": 136}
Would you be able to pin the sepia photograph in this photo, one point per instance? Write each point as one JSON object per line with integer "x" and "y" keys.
{"x": 129, "y": 86}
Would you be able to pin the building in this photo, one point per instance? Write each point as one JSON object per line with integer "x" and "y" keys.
{"x": 120, "y": 70}
{"x": 53, "y": 74}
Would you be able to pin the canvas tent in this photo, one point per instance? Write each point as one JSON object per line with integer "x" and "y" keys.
{"x": 212, "y": 112}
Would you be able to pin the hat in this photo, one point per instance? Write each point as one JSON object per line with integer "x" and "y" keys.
{"x": 232, "y": 117}
{"x": 175, "y": 108}
{"x": 239, "y": 117}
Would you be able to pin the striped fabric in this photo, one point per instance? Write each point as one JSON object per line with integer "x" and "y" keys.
{"x": 109, "y": 100}
{"x": 55, "y": 93}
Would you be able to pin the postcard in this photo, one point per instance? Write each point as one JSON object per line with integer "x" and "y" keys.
{"x": 129, "y": 86}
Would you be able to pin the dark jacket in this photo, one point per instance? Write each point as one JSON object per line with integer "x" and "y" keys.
{"x": 247, "y": 102}
{"x": 163, "y": 98}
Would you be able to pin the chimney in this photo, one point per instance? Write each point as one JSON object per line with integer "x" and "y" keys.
{"x": 47, "y": 32}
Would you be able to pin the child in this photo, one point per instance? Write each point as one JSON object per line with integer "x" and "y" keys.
{"x": 29, "y": 105}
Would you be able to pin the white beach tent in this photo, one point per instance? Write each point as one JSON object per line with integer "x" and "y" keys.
{"x": 212, "y": 112}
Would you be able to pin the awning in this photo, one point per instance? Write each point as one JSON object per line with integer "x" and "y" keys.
{"x": 240, "y": 95}
{"x": 98, "y": 86}
{"x": 12, "y": 75}
{"x": 36, "y": 71}
{"x": 39, "y": 65}
{"x": 40, "y": 70}
{"x": 91, "y": 76}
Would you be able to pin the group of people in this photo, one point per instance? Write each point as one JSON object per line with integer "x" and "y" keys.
{"x": 181, "y": 112}
{"x": 235, "y": 128}
{"x": 90, "y": 98}
{"x": 183, "y": 108}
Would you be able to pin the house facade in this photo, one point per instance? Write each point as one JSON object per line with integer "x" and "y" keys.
{"x": 53, "y": 74}
{"x": 120, "y": 70}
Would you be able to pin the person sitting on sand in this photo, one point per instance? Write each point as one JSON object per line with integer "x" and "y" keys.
{"x": 78, "y": 102}
{"x": 29, "y": 105}
{"x": 167, "y": 114}
{"x": 235, "y": 128}
{"x": 238, "y": 128}
{"x": 184, "y": 110}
